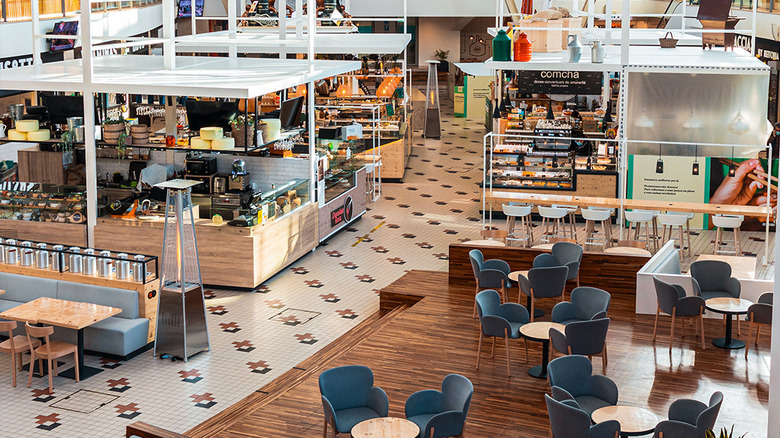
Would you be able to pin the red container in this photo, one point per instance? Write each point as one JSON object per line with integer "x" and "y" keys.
{"x": 522, "y": 48}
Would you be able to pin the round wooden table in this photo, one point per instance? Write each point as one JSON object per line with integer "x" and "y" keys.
{"x": 543, "y": 246}
{"x": 484, "y": 242}
{"x": 633, "y": 421}
{"x": 540, "y": 332}
{"x": 728, "y": 307}
{"x": 627, "y": 250}
{"x": 385, "y": 427}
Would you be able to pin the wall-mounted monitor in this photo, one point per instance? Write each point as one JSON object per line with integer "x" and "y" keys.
{"x": 64, "y": 28}
{"x": 185, "y": 8}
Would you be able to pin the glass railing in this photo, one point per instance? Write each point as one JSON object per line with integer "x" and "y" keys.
{"x": 21, "y": 10}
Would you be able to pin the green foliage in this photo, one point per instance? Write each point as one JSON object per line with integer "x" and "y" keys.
{"x": 442, "y": 55}
{"x": 121, "y": 119}
{"x": 66, "y": 141}
{"x": 724, "y": 433}
{"x": 122, "y": 145}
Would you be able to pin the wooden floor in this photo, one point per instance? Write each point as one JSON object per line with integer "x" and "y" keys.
{"x": 414, "y": 348}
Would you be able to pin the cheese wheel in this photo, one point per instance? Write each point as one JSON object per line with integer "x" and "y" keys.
{"x": 13, "y": 134}
{"x": 199, "y": 143}
{"x": 39, "y": 135}
{"x": 274, "y": 127}
{"x": 211, "y": 133}
{"x": 27, "y": 125}
{"x": 223, "y": 144}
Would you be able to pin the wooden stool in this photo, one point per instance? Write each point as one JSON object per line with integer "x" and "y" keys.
{"x": 639, "y": 218}
{"x": 670, "y": 221}
{"x": 591, "y": 216}
{"x": 727, "y": 221}
{"x": 525, "y": 232}
{"x": 571, "y": 210}
{"x": 554, "y": 215}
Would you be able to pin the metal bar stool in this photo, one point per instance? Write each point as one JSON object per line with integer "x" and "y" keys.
{"x": 591, "y": 216}
{"x": 722, "y": 221}
{"x": 555, "y": 216}
{"x": 525, "y": 232}
{"x": 637, "y": 218}
{"x": 671, "y": 220}
{"x": 571, "y": 210}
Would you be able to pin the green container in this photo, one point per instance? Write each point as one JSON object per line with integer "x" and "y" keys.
{"x": 502, "y": 47}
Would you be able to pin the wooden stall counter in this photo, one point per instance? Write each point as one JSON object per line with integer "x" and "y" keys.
{"x": 229, "y": 256}
{"x": 51, "y": 232}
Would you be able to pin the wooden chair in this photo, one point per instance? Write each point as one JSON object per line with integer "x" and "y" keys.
{"x": 15, "y": 346}
{"x": 50, "y": 351}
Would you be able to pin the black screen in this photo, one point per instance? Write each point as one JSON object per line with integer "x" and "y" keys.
{"x": 62, "y": 107}
{"x": 205, "y": 113}
{"x": 290, "y": 113}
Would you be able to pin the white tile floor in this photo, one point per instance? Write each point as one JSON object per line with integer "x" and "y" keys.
{"x": 320, "y": 297}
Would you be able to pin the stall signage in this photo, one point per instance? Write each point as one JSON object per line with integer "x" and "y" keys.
{"x": 16, "y": 61}
{"x": 766, "y": 50}
{"x": 20, "y": 186}
{"x": 342, "y": 214}
{"x": 560, "y": 82}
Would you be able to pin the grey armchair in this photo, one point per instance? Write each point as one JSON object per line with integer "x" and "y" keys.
{"x": 571, "y": 378}
{"x": 498, "y": 320}
{"x": 690, "y": 418}
{"x": 759, "y": 314}
{"x": 586, "y": 303}
{"x": 562, "y": 254}
{"x": 567, "y": 420}
{"x": 489, "y": 274}
{"x": 672, "y": 300}
{"x": 441, "y": 413}
{"x": 586, "y": 338}
{"x": 543, "y": 283}
{"x": 712, "y": 279}
{"x": 349, "y": 397}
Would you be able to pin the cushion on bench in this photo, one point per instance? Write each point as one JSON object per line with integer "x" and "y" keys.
{"x": 125, "y": 299}
{"x": 24, "y": 288}
{"x": 118, "y": 336}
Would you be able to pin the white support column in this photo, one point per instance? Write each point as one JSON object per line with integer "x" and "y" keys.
{"x": 311, "y": 10}
{"x": 90, "y": 164}
{"x": 591, "y": 11}
{"x": 684, "y": 11}
{"x": 36, "y": 30}
{"x": 624, "y": 31}
{"x": 232, "y": 28}
{"x": 310, "y": 120}
{"x": 282, "y": 15}
{"x": 773, "y": 429}
{"x": 169, "y": 33}
{"x": 607, "y": 22}
{"x": 192, "y": 17}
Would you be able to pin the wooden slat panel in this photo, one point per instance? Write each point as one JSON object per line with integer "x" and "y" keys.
{"x": 49, "y": 232}
{"x": 615, "y": 273}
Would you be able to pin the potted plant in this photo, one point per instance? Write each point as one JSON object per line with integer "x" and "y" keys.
{"x": 111, "y": 130}
{"x": 243, "y": 130}
{"x": 122, "y": 142}
{"x": 441, "y": 56}
{"x": 724, "y": 433}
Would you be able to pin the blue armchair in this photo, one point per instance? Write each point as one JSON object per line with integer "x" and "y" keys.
{"x": 562, "y": 254}
{"x": 672, "y": 300}
{"x": 489, "y": 274}
{"x": 498, "y": 320}
{"x": 586, "y": 303}
{"x": 712, "y": 279}
{"x": 567, "y": 420}
{"x": 759, "y": 314}
{"x": 697, "y": 416}
{"x": 441, "y": 413}
{"x": 349, "y": 397}
{"x": 571, "y": 378}
{"x": 585, "y": 337}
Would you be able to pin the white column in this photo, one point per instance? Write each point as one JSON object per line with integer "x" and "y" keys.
{"x": 310, "y": 120}
{"x": 232, "y": 28}
{"x": 90, "y": 164}
{"x": 36, "y": 30}
{"x": 169, "y": 33}
{"x": 311, "y": 10}
{"x": 773, "y": 429}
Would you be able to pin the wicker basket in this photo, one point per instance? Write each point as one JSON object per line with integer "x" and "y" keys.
{"x": 668, "y": 41}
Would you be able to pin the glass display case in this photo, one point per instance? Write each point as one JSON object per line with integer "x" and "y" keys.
{"x": 338, "y": 161}
{"x": 277, "y": 202}
{"x": 53, "y": 204}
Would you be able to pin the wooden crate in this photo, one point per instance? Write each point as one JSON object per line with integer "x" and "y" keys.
{"x": 569, "y": 22}
{"x": 542, "y": 41}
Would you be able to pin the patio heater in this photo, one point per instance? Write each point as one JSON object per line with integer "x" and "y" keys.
{"x": 432, "y": 112}
{"x": 181, "y": 329}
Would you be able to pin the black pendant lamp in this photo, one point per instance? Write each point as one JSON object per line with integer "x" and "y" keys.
{"x": 659, "y": 165}
{"x": 607, "y": 116}
{"x": 695, "y": 169}
{"x": 496, "y": 110}
{"x": 550, "y": 114}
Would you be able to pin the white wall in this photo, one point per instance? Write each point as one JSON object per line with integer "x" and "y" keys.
{"x": 16, "y": 38}
{"x": 437, "y": 33}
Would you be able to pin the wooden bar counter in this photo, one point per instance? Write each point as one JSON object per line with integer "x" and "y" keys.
{"x": 241, "y": 257}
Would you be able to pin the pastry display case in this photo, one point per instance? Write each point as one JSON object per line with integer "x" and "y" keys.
{"x": 338, "y": 163}
{"x": 56, "y": 204}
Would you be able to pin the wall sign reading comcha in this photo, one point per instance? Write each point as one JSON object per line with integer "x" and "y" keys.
{"x": 560, "y": 82}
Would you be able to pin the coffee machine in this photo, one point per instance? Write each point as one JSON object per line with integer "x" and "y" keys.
{"x": 239, "y": 178}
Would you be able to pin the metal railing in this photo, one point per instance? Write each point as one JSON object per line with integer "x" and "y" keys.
{"x": 21, "y": 10}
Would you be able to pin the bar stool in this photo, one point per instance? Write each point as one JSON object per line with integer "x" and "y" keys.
{"x": 637, "y": 218}
{"x": 722, "y": 221}
{"x": 373, "y": 176}
{"x": 671, "y": 220}
{"x": 591, "y": 216}
{"x": 525, "y": 232}
{"x": 554, "y": 215}
{"x": 571, "y": 210}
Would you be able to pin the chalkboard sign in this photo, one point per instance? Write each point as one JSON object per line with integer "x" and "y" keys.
{"x": 560, "y": 82}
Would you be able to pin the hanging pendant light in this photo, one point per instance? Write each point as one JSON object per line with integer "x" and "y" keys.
{"x": 550, "y": 114}
{"x": 302, "y": 89}
{"x": 496, "y": 110}
{"x": 732, "y": 166}
{"x": 659, "y": 165}
{"x": 739, "y": 126}
{"x": 344, "y": 90}
{"x": 695, "y": 168}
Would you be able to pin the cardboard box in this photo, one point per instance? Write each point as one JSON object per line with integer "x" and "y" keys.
{"x": 542, "y": 41}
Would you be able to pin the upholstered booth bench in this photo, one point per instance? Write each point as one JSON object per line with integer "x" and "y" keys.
{"x": 123, "y": 335}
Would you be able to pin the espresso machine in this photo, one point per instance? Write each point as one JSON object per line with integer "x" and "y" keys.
{"x": 239, "y": 178}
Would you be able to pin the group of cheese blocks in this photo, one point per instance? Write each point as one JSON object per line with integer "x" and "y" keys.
{"x": 212, "y": 138}
{"x": 28, "y": 130}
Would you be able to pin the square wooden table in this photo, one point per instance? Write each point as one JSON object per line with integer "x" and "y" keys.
{"x": 67, "y": 314}
{"x": 741, "y": 267}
